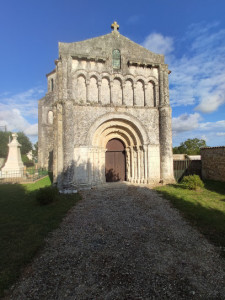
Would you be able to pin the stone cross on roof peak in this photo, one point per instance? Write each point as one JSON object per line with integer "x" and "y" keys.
{"x": 115, "y": 26}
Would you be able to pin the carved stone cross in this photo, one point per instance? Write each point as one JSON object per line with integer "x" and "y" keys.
{"x": 115, "y": 26}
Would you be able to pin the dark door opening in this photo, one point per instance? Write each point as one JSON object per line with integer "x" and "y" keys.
{"x": 115, "y": 161}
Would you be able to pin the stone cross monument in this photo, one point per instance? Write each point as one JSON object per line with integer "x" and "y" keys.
{"x": 14, "y": 165}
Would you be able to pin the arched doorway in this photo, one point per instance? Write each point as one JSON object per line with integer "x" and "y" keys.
{"x": 115, "y": 161}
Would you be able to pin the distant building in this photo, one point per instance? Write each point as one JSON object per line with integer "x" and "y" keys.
{"x": 106, "y": 115}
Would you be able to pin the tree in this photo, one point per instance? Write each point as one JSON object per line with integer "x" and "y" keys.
{"x": 4, "y": 140}
{"x": 35, "y": 151}
{"x": 26, "y": 145}
{"x": 190, "y": 147}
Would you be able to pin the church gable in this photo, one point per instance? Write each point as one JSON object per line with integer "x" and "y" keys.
{"x": 106, "y": 91}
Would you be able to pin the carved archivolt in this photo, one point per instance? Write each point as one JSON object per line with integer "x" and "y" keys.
{"x": 131, "y": 132}
{"x": 114, "y": 89}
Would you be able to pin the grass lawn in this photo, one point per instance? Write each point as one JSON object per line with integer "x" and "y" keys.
{"x": 24, "y": 224}
{"x": 204, "y": 208}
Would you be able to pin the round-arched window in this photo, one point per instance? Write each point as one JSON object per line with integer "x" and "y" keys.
{"x": 116, "y": 59}
{"x": 50, "y": 117}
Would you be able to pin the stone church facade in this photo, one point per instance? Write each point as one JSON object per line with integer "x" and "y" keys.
{"x": 106, "y": 115}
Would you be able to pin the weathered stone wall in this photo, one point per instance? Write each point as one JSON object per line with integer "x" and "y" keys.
{"x": 45, "y": 132}
{"x": 94, "y": 96}
{"x": 213, "y": 163}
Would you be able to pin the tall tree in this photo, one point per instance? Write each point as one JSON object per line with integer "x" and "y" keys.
{"x": 4, "y": 140}
{"x": 26, "y": 144}
{"x": 190, "y": 147}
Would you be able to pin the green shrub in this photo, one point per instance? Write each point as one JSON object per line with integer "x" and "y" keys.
{"x": 192, "y": 182}
{"x": 47, "y": 195}
{"x": 26, "y": 161}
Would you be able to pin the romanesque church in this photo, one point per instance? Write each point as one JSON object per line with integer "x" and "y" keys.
{"x": 106, "y": 115}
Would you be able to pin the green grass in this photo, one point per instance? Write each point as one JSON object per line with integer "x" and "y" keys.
{"x": 204, "y": 208}
{"x": 24, "y": 224}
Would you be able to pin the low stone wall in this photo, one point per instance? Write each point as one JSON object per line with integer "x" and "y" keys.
{"x": 213, "y": 163}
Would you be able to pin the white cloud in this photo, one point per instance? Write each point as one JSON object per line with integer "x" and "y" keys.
{"x": 25, "y": 102}
{"x": 16, "y": 111}
{"x": 189, "y": 126}
{"x": 13, "y": 120}
{"x": 186, "y": 122}
{"x": 198, "y": 74}
{"x": 32, "y": 130}
{"x": 158, "y": 43}
{"x": 218, "y": 125}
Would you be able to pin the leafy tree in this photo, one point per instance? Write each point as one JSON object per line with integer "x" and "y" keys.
{"x": 26, "y": 145}
{"x": 190, "y": 147}
{"x": 4, "y": 140}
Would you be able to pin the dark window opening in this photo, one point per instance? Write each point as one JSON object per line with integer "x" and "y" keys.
{"x": 52, "y": 85}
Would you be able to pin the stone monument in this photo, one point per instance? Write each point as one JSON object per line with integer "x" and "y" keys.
{"x": 14, "y": 166}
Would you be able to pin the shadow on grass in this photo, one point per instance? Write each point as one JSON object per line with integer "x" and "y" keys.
{"x": 215, "y": 186}
{"x": 24, "y": 226}
{"x": 209, "y": 221}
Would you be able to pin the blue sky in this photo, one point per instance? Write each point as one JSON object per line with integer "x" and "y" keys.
{"x": 191, "y": 35}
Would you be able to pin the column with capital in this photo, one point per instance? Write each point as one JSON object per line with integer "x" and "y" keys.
{"x": 142, "y": 164}
{"x": 111, "y": 91}
{"x": 132, "y": 163}
{"x": 128, "y": 164}
{"x": 68, "y": 142}
{"x": 166, "y": 85}
{"x": 165, "y": 129}
{"x": 70, "y": 77}
{"x": 58, "y": 146}
{"x": 135, "y": 94}
{"x": 138, "y": 165}
{"x": 87, "y": 91}
{"x": 99, "y": 91}
{"x": 161, "y": 87}
{"x": 146, "y": 94}
{"x": 145, "y": 154}
{"x": 135, "y": 164}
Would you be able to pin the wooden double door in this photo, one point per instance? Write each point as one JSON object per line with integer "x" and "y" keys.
{"x": 115, "y": 161}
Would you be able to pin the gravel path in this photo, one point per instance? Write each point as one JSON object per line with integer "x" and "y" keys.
{"x": 124, "y": 242}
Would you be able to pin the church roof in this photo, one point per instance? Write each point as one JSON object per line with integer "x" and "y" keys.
{"x": 101, "y": 48}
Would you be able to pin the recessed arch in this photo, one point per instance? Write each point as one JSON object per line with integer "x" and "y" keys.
{"x": 125, "y": 119}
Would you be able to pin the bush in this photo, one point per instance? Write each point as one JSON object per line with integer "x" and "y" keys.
{"x": 47, "y": 195}
{"x": 192, "y": 182}
{"x": 26, "y": 161}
